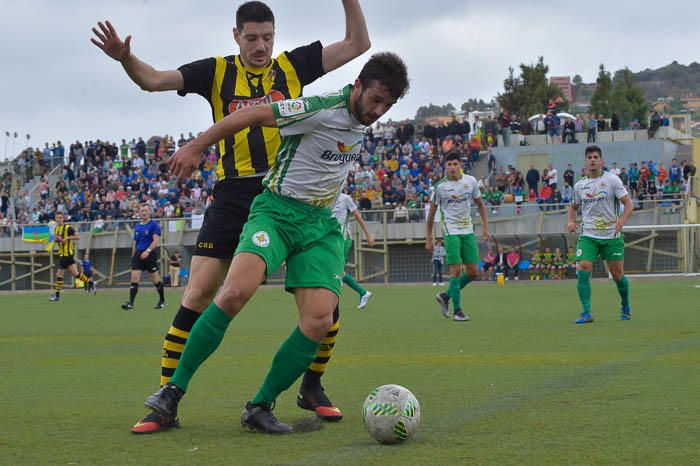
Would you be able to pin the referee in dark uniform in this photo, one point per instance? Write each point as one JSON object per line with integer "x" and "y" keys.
{"x": 144, "y": 257}
{"x": 228, "y": 84}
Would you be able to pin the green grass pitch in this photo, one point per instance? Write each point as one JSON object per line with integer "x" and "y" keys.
{"x": 519, "y": 384}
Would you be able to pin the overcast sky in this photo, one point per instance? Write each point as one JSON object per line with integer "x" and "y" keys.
{"x": 56, "y": 85}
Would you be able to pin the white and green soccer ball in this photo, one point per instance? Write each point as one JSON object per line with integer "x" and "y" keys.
{"x": 391, "y": 414}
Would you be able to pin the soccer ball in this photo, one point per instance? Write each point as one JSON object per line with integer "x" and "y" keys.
{"x": 391, "y": 414}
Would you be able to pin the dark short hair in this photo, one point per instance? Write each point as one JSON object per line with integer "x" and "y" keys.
{"x": 253, "y": 12}
{"x": 389, "y": 70}
{"x": 594, "y": 148}
{"x": 453, "y": 155}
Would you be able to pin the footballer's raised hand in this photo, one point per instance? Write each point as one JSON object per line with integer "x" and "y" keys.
{"x": 109, "y": 42}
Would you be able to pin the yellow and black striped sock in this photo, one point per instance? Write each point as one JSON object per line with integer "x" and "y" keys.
{"x": 175, "y": 340}
{"x": 59, "y": 286}
{"x": 83, "y": 278}
{"x": 317, "y": 368}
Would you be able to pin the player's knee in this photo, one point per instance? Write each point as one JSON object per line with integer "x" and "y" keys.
{"x": 232, "y": 298}
{"x": 616, "y": 275}
{"x": 472, "y": 274}
{"x": 317, "y": 326}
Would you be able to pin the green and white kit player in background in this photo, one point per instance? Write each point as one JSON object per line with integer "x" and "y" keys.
{"x": 454, "y": 196}
{"x": 599, "y": 196}
{"x": 290, "y": 221}
{"x": 344, "y": 206}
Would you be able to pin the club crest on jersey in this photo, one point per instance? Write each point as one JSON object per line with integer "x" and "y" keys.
{"x": 291, "y": 107}
{"x": 273, "y": 96}
{"x": 271, "y": 76}
{"x": 261, "y": 239}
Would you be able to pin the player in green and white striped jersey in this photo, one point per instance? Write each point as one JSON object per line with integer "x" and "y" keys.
{"x": 453, "y": 196}
{"x": 599, "y": 197}
{"x": 344, "y": 206}
{"x": 290, "y": 221}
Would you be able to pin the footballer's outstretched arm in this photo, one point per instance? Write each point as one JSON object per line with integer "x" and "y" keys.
{"x": 143, "y": 74}
{"x": 186, "y": 159}
{"x": 356, "y": 40}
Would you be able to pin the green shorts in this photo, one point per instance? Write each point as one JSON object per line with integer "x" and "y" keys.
{"x": 461, "y": 249}
{"x": 588, "y": 249}
{"x": 308, "y": 238}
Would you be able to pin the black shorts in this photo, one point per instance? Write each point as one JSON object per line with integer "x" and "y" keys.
{"x": 150, "y": 264}
{"x": 225, "y": 217}
{"x": 65, "y": 261}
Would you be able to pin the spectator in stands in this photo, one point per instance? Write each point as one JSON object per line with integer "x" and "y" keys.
{"x": 553, "y": 124}
{"x": 566, "y": 193}
{"x": 602, "y": 124}
{"x": 592, "y": 129}
{"x": 532, "y": 178}
{"x": 495, "y": 199}
{"x": 501, "y": 263}
{"x": 569, "y": 175}
{"x": 474, "y": 147}
{"x": 438, "y": 262}
{"x": 174, "y": 264}
{"x": 654, "y": 123}
{"x": 545, "y": 197}
{"x": 614, "y": 170}
{"x": 569, "y": 131}
{"x": 400, "y": 213}
{"x": 489, "y": 262}
{"x": 633, "y": 178}
{"x": 674, "y": 172}
{"x": 504, "y": 121}
{"x": 552, "y": 177}
{"x": 491, "y": 164}
{"x": 512, "y": 264}
{"x": 624, "y": 177}
{"x": 501, "y": 180}
{"x": 579, "y": 124}
{"x": 614, "y": 122}
{"x": 661, "y": 174}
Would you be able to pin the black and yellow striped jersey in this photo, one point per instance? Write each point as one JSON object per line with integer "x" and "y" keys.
{"x": 66, "y": 249}
{"x": 228, "y": 86}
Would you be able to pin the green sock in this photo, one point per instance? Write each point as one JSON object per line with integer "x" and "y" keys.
{"x": 292, "y": 360}
{"x": 463, "y": 280}
{"x": 584, "y": 289}
{"x": 347, "y": 278}
{"x": 455, "y": 292}
{"x": 205, "y": 337}
{"x": 623, "y": 287}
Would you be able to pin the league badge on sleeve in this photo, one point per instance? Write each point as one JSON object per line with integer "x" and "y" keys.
{"x": 292, "y": 107}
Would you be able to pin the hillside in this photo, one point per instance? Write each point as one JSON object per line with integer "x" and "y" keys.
{"x": 671, "y": 80}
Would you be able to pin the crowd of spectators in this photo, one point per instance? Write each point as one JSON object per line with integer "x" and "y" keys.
{"x": 645, "y": 181}
{"x": 104, "y": 181}
{"x": 396, "y": 171}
